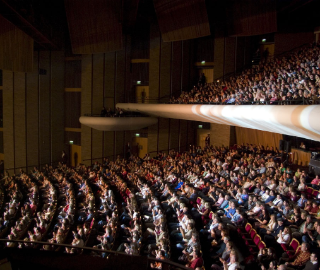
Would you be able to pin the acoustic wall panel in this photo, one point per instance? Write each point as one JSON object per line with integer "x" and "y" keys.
{"x": 181, "y": 20}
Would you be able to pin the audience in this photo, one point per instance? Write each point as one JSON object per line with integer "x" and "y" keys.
{"x": 186, "y": 207}
{"x": 291, "y": 79}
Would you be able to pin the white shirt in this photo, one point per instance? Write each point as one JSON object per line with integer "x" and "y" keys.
{"x": 285, "y": 238}
{"x": 233, "y": 266}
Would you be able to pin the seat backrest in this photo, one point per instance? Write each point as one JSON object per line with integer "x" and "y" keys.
{"x": 309, "y": 190}
{"x": 248, "y": 227}
{"x": 199, "y": 201}
{"x": 315, "y": 193}
{"x": 262, "y": 245}
{"x": 253, "y": 233}
{"x": 294, "y": 244}
{"x": 257, "y": 239}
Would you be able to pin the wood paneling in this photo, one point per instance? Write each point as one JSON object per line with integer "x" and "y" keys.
{"x": 86, "y": 103}
{"x": 19, "y": 120}
{"x": 254, "y": 136}
{"x": 8, "y": 120}
{"x": 72, "y": 109}
{"x": 94, "y": 28}
{"x": 181, "y": 20}
{"x": 45, "y": 107}
{"x": 155, "y": 62}
{"x": 165, "y": 69}
{"x": 73, "y": 74}
{"x": 57, "y": 101}
{"x": 16, "y": 48}
{"x": 251, "y": 17}
{"x": 32, "y": 111}
{"x": 176, "y": 68}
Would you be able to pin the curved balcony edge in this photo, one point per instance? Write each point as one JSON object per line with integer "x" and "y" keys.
{"x": 295, "y": 120}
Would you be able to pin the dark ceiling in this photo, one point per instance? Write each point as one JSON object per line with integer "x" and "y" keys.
{"x": 46, "y": 21}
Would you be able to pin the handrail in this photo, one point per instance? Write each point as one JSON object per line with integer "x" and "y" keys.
{"x": 94, "y": 249}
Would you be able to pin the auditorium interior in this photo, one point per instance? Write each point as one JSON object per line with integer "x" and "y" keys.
{"x": 160, "y": 134}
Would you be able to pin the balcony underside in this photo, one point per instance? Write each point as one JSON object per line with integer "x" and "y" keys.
{"x": 117, "y": 123}
{"x": 295, "y": 120}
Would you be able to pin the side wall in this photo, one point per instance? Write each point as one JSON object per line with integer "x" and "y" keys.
{"x": 33, "y": 117}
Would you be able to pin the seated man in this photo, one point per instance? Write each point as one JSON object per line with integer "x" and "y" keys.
{"x": 301, "y": 257}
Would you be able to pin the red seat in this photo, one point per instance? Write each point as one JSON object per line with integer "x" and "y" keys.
{"x": 315, "y": 193}
{"x": 262, "y": 245}
{"x": 294, "y": 245}
{"x": 199, "y": 201}
{"x": 252, "y": 234}
{"x": 247, "y": 230}
{"x": 309, "y": 191}
{"x": 256, "y": 241}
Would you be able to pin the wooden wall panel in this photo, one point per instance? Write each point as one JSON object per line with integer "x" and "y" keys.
{"x": 16, "y": 48}
{"x": 184, "y": 135}
{"x": 73, "y": 74}
{"x": 86, "y": 103}
{"x": 254, "y": 136}
{"x": 119, "y": 143}
{"x": 57, "y": 100}
{"x": 108, "y": 144}
{"x": 230, "y": 55}
{"x": 163, "y": 134}
{"x": 188, "y": 71}
{"x": 8, "y": 120}
{"x": 181, "y": 20}
{"x": 94, "y": 28}
{"x": 165, "y": 69}
{"x": 45, "y": 117}
{"x": 97, "y": 151}
{"x": 72, "y": 109}
{"x": 191, "y": 133}
{"x": 174, "y": 134}
{"x": 120, "y": 77}
{"x": 219, "y": 135}
{"x": 19, "y": 109}
{"x": 97, "y": 83}
{"x": 110, "y": 61}
{"x": 97, "y": 103}
{"x": 219, "y": 51}
{"x": 153, "y": 139}
{"x": 176, "y": 70}
{"x": 240, "y": 53}
{"x": 155, "y": 62}
{"x": 32, "y": 110}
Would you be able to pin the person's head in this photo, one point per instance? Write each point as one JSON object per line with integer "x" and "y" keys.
{"x": 282, "y": 267}
{"x": 287, "y": 230}
{"x": 280, "y": 221}
{"x": 305, "y": 247}
{"x": 233, "y": 257}
{"x": 313, "y": 257}
{"x": 273, "y": 265}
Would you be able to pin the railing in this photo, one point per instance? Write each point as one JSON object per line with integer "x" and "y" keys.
{"x": 165, "y": 263}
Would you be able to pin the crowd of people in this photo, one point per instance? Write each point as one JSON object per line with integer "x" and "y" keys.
{"x": 291, "y": 79}
{"x": 187, "y": 207}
